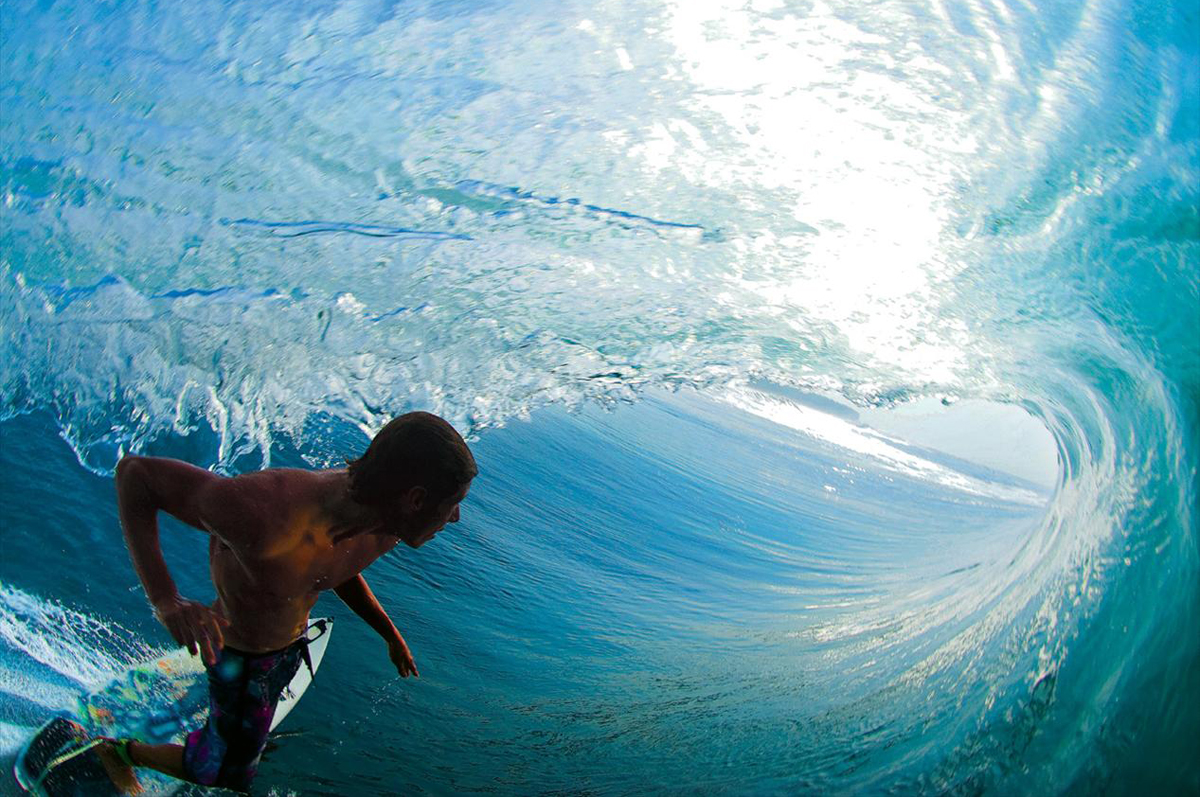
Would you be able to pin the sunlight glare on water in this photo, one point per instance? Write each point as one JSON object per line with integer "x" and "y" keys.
{"x": 857, "y": 153}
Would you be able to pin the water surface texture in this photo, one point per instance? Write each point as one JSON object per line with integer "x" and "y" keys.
{"x": 833, "y": 368}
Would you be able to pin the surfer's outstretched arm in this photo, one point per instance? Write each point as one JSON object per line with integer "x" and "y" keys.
{"x": 357, "y": 594}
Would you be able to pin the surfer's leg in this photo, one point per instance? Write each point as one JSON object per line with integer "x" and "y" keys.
{"x": 243, "y": 692}
{"x": 165, "y": 758}
{"x": 266, "y": 677}
{"x": 118, "y": 766}
{"x": 205, "y": 748}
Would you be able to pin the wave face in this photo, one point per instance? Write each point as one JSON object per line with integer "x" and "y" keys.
{"x": 248, "y": 234}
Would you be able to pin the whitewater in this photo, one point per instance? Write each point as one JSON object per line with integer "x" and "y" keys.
{"x": 833, "y": 370}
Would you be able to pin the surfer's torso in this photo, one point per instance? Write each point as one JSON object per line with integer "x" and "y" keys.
{"x": 267, "y": 589}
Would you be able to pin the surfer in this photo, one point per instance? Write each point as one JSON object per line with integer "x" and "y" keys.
{"x": 277, "y": 539}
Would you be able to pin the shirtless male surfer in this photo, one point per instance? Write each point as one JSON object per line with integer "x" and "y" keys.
{"x": 277, "y": 539}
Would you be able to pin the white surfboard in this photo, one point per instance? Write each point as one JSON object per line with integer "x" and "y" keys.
{"x": 318, "y": 640}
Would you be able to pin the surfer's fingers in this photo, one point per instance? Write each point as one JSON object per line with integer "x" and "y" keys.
{"x": 198, "y": 636}
{"x": 171, "y": 623}
{"x": 181, "y": 633}
{"x": 204, "y": 626}
{"x": 217, "y": 613}
{"x": 206, "y": 647}
{"x": 212, "y": 629}
{"x": 210, "y": 637}
{"x": 189, "y": 637}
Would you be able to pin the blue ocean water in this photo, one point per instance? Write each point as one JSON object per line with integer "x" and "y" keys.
{"x": 833, "y": 369}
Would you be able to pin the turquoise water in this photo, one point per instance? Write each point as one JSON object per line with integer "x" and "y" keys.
{"x": 832, "y": 369}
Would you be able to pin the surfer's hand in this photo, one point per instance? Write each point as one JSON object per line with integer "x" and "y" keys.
{"x": 402, "y": 657}
{"x": 193, "y": 625}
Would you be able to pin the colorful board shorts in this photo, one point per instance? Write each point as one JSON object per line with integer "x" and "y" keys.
{"x": 243, "y": 689}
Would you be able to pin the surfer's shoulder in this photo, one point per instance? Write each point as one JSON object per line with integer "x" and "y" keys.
{"x": 256, "y": 512}
{"x": 244, "y": 511}
{"x": 158, "y": 483}
{"x": 280, "y": 487}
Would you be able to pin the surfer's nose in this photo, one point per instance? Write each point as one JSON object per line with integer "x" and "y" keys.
{"x": 454, "y": 515}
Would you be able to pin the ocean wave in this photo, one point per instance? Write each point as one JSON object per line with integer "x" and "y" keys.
{"x": 881, "y": 205}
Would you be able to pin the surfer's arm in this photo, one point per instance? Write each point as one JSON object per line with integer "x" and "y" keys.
{"x": 357, "y": 594}
{"x": 144, "y": 486}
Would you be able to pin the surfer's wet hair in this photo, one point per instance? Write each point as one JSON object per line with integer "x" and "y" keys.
{"x": 417, "y": 449}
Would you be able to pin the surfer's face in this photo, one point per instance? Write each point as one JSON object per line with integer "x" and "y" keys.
{"x": 426, "y": 521}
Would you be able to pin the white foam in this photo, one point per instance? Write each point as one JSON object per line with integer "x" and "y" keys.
{"x": 12, "y": 737}
{"x": 44, "y": 637}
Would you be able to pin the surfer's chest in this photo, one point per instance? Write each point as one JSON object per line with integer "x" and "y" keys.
{"x": 312, "y": 565}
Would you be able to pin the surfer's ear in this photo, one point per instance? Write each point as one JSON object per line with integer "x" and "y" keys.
{"x": 414, "y": 499}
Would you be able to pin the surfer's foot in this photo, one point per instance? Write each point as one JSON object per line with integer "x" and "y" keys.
{"x": 114, "y": 756}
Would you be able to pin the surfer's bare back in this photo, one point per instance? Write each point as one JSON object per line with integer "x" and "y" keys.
{"x": 277, "y": 539}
